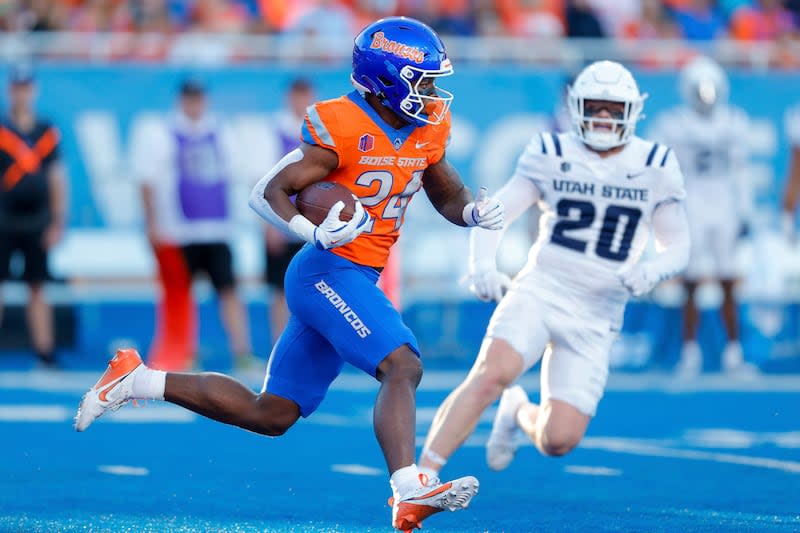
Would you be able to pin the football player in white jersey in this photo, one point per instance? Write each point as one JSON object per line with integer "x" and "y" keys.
{"x": 706, "y": 134}
{"x": 601, "y": 189}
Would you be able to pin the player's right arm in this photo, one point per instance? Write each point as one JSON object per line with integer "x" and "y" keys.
{"x": 517, "y": 195}
{"x": 304, "y": 166}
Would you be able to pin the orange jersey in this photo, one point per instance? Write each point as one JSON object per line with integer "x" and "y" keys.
{"x": 381, "y": 165}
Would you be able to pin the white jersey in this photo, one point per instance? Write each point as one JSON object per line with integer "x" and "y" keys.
{"x": 596, "y": 215}
{"x": 713, "y": 153}
{"x": 188, "y": 166}
{"x": 712, "y": 150}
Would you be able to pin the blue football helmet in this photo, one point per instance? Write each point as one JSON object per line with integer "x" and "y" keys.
{"x": 398, "y": 60}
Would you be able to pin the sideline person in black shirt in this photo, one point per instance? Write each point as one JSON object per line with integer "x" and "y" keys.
{"x": 32, "y": 203}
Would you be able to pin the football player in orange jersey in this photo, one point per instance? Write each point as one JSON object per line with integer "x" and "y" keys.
{"x": 384, "y": 141}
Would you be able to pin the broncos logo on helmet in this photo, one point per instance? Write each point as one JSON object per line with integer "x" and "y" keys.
{"x": 398, "y": 59}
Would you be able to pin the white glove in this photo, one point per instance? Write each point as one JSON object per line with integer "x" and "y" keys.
{"x": 486, "y": 212}
{"x": 489, "y": 285}
{"x": 637, "y": 279}
{"x": 335, "y": 232}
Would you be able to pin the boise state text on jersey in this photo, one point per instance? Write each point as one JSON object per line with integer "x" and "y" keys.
{"x": 381, "y": 165}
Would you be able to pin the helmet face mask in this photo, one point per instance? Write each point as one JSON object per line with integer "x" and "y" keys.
{"x": 601, "y": 131}
{"x": 425, "y": 102}
{"x": 609, "y": 83}
{"x": 399, "y": 60}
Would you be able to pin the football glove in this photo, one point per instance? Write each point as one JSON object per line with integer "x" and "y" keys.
{"x": 637, "y": 279}
{"x": 485, "y": 211}
{"x": 490, "y": 285}
{"x": 335, "y": 232}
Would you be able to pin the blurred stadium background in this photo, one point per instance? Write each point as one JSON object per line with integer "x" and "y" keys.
{"x": 107, "y": 67}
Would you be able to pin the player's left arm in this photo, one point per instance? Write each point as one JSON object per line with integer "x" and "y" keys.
{"x": 454, "y": 201}
{"x": 671, "y": 231}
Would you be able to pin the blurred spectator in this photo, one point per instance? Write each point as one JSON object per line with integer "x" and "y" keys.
{"x": 763, "y": 21}
{"x": 328, "y": 20}
{"x": 367, "y": 11}
{"x": 184, "y": 165}
{"x": 700, "y": 20}
{"x": 729, "y": 7}
{"x": 793, "y": 7}
{"x": 32, "y": 203}
{"x": 616, "y": 15}
{"x": 152, "y": 16}
{"x": 581, "y": 20}
{"x": 280, "y": 14}
{"x": 218, "y": 16}
{"x": 488, "y": 22}
{"x": 654, "y": 23}
{"x": 274, "y": 14}
{"x": 102, "y": 16}
{"x": 42, "y": 15}
{"x": 449, "y": 17}
{"x": 281, "y": 247}
{"x": 153, "y": 29}
{"x": 532, "y": 18}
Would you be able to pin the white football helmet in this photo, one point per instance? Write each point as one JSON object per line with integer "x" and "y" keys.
{"x": 608, "y": 81}
{"x": 703, "y": 84}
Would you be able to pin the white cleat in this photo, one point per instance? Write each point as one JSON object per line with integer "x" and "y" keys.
{"x": 502, "y": 446}
{"x": 431, "y": 498}
{"x": 734, "y": 365}
{"x": 690, "y": 364}
{"x": 112, "y": 390}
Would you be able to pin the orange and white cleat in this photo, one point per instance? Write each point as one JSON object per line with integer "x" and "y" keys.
{"x": 430, "y": 498}
{"x": 112, "y": 390}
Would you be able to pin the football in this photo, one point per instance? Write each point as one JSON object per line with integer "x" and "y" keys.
{"x": 316, "y": 200}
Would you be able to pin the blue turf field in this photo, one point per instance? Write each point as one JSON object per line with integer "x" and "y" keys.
{"x": 658, "y": 457}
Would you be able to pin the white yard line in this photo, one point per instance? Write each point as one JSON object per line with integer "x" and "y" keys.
{"x": 123, "y": 470}
{"x": 128, "y": 415}
{"x": 637, "y": 447}
{"x": 358, "y": 470}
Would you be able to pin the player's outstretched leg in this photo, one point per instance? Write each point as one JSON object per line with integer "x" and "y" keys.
{"x": 431, "y": 497}
{"x": 502, "y": 445}
{"x": 216, "y": 396}
{"x": 112, "y": 390}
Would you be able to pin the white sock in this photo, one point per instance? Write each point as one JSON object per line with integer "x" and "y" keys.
{"x": 149, "y": 384}
{"x": 404, "y": 481}
{"x": 430, "y": 456}
{"x": 429, "y": 473}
